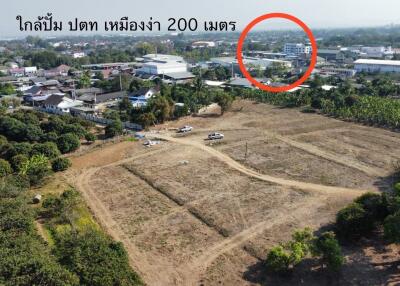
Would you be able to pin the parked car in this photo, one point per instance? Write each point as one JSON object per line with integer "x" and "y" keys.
{"x": 149, "y": 143}
{"x": 185, "y": 129}
{"x": 215, "y": 135}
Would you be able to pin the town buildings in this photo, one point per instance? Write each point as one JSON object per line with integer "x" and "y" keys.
{"x": 296, "y": 49}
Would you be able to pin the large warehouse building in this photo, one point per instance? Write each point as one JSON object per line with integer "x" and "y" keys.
{"x": 382, "y": 66}
{"x": 158, "y": 64}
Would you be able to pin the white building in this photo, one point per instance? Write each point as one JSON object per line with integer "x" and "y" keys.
{"x": 78, "y": 55}
{"x": 296, "y": 49}
{"x": 58, "y": 103}
{"x": 382, "y": 66}
{"x": 163, "y": 58}
{"x": 203, "y": 44}
{"x": 158, "y": 64}
{"x": 230, "y": 62}
{"x": 29, "y": 71}
{"x": 377, "y": 52}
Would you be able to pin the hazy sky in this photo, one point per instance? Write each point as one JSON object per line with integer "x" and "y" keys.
{"x": 315, "y": 13}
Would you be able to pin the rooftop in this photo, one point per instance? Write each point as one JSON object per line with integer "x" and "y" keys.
{"x": 377, "y": 62}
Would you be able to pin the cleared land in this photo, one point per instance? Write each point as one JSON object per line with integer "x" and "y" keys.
{"x": 194, "y": 212}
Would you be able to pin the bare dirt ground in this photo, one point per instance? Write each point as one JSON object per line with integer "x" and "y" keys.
{"x": 194, "y": 212}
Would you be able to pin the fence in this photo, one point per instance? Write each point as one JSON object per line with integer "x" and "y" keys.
{"x": 94, "y": 118}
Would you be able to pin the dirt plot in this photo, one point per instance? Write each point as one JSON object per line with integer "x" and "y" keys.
{"x": 378, "y": 150}
{"x": 223, "y": 198}
{"x": 197, "y": 212}
{"x": 280, "y": 159}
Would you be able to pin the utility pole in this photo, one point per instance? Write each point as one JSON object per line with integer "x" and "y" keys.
{"x": 74, "y": 90}
{"x": 120, "y": 81}
{"x": 245, "y": 155}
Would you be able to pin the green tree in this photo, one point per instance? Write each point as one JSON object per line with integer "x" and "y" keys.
{"x": 84, "y": 81}
{"x": 136, "y": 84}
{"x": 18, "y": 161}
{"x": 49, "y": 149}
{"x": 113, "y": 129}
{"x": 374, "y": 206}
{"x": 5, "y": 168}
{"x": 161, "y": 107}
{"x": 391, "y": 227}
{"x": 278, "y": 259}
{"x": 90, "y": 137}
{"x": 96, "y": 259}
{"x": 125, "y": 105}
{"x": 60, "y": 164}
{"x": 36, "y": 168}
{"x": 146, "y": 119}
{"x": 353, "y": 222}
{"x": 68, "y": 142}
{"x": 329, "y": 249}
{"x": 224, "y": 100}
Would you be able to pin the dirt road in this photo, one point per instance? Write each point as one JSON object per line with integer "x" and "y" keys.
{"x": 249, "y": 172}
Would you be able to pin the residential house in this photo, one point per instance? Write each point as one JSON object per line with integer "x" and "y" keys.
{"x": 59, "y": 103}
{"x": 140, "y": 97}
{"x": 61, "y": 70}
{"x": 97, "y": 103}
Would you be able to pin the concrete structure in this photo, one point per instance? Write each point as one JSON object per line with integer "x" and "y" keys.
{"x": 331, "y": 55}
{"x": 203, "y": 44}
{"x": 335, "y": 71}
{"x": 230, "y": 62}
{"x": 296, "y": 49}
{"x": 377, "y": 52}
{"x": 381, "y": 66}
{"x": 160, "y": 68}
{"x": 159, "y": 64}
{"x": 30, "y": 71}
{"x": 57, "y": 103}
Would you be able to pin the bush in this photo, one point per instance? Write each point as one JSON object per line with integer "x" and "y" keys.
{"x": 5, "y": 168}
{"x": 113, "y": 129}
{"x": 391, "y": 227}
{"x": 49, "y": 137}
{"x": 353, "y": 221}
{"x": 18, "y": 161}
{"x": 397, "y": 189}
{"x": 68, "y": 142}
{"x": 97, "y": 260}
{"x": 283, "y": 257}
{"x": 49, "y": 149}
{"x": 90, "y": 137}
{"x": 60, "y": 164}
{"x": 278, "y": 259}
{"x": 328, "y": 248}
{"x": 23, "y": 148}
{"x": 146, "y": 119}
{"x": 374, "y": 205}
{"x": 76, "y": 129}
{"x": 36, "y": 169}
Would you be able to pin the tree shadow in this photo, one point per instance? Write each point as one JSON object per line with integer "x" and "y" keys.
{"x": 386, "y": 184}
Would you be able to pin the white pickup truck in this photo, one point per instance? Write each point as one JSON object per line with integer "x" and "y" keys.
{"x": 215, "y": 136}
{"x": 185, "y": 129}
